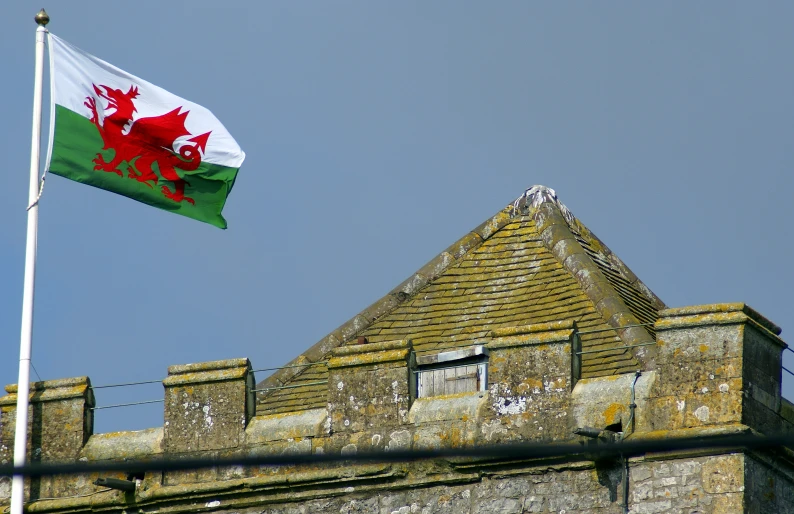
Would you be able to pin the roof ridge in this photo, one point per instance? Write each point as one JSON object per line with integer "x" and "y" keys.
{"x": 355, "y": 325}
{"x": 538, "y": 194}
{"x": 616, "y": 261}
{"x": 553, "y": 221}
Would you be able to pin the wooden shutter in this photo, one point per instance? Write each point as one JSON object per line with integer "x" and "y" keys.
{"x": 458, "y": 379}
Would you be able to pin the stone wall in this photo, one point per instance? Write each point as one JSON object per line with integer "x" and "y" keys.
{"x": 717, "y": 371}
{"x": 768, "y": 487}
{"x": 694, "y": 485}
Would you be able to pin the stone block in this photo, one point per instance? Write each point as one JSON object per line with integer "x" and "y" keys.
{"x": 539, "y": 360}
{"x": 384, "y": 439}
{"x": 713, "y": 409}
{"x": 686, "y": 377}
{"x": 287, "y": 426}
{"x": 452, "y": 434}
{"x": 138, "y": 444}
{"x": 531, "y": 418}
{"x": 667, "y": 413}
{"x": 60, "y": 419}
{"x": 368, "y": 386}
{"x": 718, "y": 358}
{"x": 727, "y": 503}
{"x": 530, "y": 381}
{"x": 760, "y": 416}
{"x": 604, "y": 401}
{"x": 207, "y": 405}
{"x": 699, "y": 342}
{"x": 723, "y": 474}
{"x": 455, "y": 407}
{"x": 498, "y": 506}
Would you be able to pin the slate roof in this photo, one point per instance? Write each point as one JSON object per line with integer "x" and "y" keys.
{"x": 533, "y": 262}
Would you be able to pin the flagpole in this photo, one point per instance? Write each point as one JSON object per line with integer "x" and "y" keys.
{"x": 26, "y": 337}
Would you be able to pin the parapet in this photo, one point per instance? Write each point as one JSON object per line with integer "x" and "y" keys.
{"x": 716, "y": 368}
{"x": 717, "y": 364}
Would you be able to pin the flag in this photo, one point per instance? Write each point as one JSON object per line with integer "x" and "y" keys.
{"x": 117, "y": 132}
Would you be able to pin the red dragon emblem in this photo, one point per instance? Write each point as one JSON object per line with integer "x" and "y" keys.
{"x": 146, "y": 141}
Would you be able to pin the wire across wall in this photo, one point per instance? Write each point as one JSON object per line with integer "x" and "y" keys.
{"x": 321, "y": 382}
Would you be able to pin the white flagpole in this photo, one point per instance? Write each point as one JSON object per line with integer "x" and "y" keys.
{"x": 25, "y": 343}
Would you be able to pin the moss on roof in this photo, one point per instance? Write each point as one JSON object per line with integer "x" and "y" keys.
{"x": 533, "y": 262}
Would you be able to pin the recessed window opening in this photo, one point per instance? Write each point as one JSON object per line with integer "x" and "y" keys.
{"x": 458, "y": 371}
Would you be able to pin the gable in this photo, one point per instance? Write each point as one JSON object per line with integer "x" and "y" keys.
{"x": 531, "y": 263}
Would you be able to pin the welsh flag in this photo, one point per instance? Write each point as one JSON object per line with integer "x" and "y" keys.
{"x": 117, "y": 132}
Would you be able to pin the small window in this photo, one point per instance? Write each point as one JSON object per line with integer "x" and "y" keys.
{"x": 459, "y": 371}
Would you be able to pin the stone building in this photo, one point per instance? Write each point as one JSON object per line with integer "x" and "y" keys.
{"x": 527, "y": 329}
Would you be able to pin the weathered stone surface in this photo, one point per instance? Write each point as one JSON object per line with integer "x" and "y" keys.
{"x": 447, "y": 435}
{"x": 723, "y": 474}
{"x": 499, "y": 220}
{"x": 60, "y": 419}
{"x": 767, "y": 486}
{"x": 455, "y": 407}
{"x": 602, "y": 402}
{"x": 693, "y": 392}
{"x": 124, "y": 445}
{"x": 207, "y": 407}
{"x": 289, "y": 426}
{"x": 368, "y": 386}
{"x": 459, "y": 248}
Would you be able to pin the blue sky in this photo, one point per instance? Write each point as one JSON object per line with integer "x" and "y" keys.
{"x": 377, "y": 134}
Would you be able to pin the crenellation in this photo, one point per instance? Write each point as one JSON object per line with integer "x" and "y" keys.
{"x": 710, "y": 378}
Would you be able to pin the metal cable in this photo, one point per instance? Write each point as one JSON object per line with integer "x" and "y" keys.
{"x": 160, "y": 381}
{"x": 289, "y": 386}
{"x": 127, "y": 384}
{"x": 290, "y": 366}
{"x": 615, "y": 348}
{"x": 35, "y": 371}
{"x": 614, "y": 328}
{"x": 125, "y": 404}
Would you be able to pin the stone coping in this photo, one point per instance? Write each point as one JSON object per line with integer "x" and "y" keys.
{"x": 137, "y": 444}
{"x": 51, "y": 384}
{"x": 713, "y": 308}
{"x": 204, "y": 377}
{"x": 452, "y": 407}
{"x": 370, "y": 359}
{"x": 205, "y": 372}
{"x": 50, "y": 390}
{"x": 531, "y": 329}
{"x": 717, "y": 314}
{"x": 355, "y": 349}
{"x": 197, "y": 367}
{"x": 555, "y": 232}
{"x": 538, "y": 338}
{"x": 370, "y": 354}
{"x": 286, "y": 426}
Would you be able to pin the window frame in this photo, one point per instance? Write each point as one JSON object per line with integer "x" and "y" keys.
{"x": 475, "y": 355}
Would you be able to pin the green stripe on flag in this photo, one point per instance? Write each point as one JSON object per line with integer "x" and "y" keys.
{"x": 77, "y": 142}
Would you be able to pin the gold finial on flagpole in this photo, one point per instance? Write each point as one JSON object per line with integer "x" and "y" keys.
{"x": 42, "y": 18}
